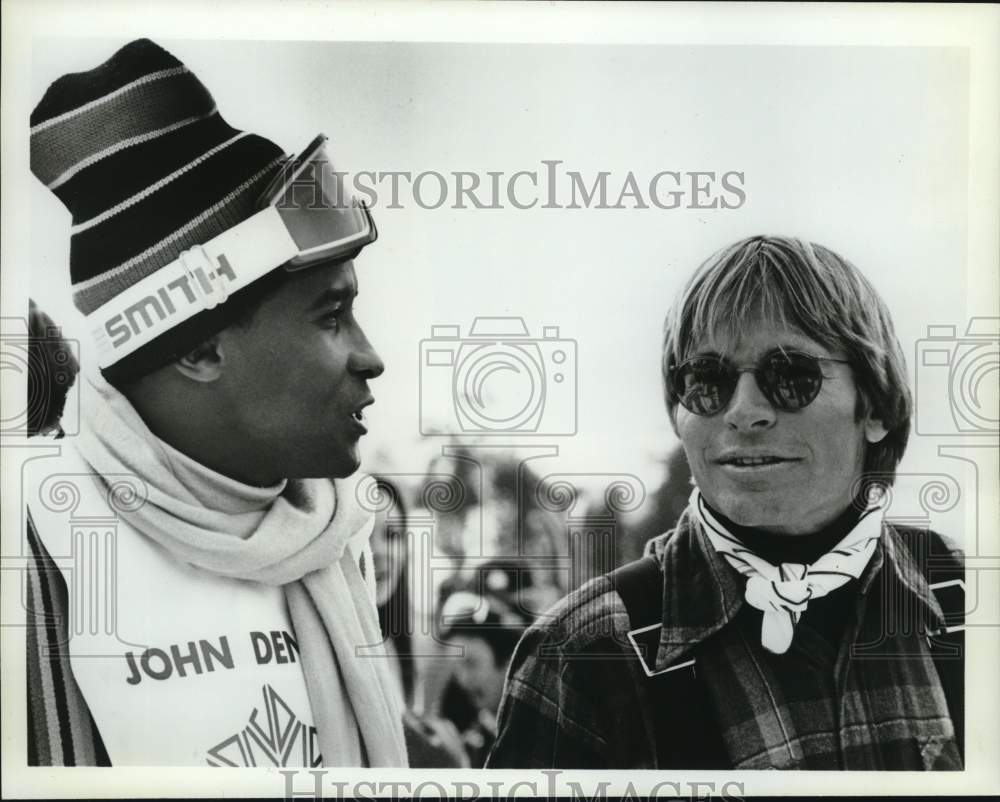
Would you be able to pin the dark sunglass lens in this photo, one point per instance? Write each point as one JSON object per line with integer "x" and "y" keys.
{"x": 705, "y": 385}
{"x": 791, "y": 381}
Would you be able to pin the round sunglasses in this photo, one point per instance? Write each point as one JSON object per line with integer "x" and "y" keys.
{"x": 789, "y": 380}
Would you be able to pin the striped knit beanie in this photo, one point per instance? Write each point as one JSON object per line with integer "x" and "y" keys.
{"x": 137, "y": 151}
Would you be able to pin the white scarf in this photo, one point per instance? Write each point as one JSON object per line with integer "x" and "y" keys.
{"x": 782, "y": 592}
{"x": 298, "y": 542}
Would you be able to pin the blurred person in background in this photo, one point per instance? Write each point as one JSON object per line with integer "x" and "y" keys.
{"x": 431, "y": 742}
{"x": 52, "y": 369}
{"x": 392, "y": 585}
{"x": 486, "y": 625}
{"x": 502, "y": 517}
{"x": 495, "y": 515}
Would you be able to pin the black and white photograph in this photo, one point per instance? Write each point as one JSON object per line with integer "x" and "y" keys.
{"x": 573, "y": 399}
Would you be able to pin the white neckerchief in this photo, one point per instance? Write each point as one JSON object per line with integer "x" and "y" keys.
{"x": 782, "y": 592}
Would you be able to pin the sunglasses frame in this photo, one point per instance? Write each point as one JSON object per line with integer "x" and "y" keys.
{"x": 757, "y": 370}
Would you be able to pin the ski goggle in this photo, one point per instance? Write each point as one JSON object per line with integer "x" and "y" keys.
{"x": 789, "y": 380}
{"x": 307, "y": 215}
{"x": 323, "y": 218}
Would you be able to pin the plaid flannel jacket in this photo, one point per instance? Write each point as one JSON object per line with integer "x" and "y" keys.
{"x": 576, "y": 696}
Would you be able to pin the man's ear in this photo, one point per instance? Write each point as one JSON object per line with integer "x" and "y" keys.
{"x": 203, "y": 363}
{"x": 875, "y": 431}
{"x": 672, "y": 414}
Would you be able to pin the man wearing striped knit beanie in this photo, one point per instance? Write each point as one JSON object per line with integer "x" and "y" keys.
{"x": 227, "y": 388}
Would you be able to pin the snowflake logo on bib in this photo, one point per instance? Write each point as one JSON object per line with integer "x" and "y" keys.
{"x": 274, "y": 737}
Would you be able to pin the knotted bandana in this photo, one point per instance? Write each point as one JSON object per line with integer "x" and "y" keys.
{"x": 783, "y": 592}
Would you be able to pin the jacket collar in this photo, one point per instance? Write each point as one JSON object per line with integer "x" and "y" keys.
{"x": 702, "y": 593}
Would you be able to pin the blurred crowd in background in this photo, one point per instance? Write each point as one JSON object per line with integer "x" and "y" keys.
{"x": 466, "y": 556}
{"x": 458, "y": 586}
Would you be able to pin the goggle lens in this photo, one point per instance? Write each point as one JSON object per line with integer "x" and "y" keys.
{"x": 322, "y": 216}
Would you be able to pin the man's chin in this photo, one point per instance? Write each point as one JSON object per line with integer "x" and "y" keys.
{"x": 328, "y": 466}
{"x": 757, "y": 512}
{"x": 347, "y": 464}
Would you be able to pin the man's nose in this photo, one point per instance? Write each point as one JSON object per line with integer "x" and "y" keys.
{"x": 749, "y": 409}
{"x": 365, "y": 360}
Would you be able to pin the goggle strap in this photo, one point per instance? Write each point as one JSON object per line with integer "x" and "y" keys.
{"x": 201, "y": 278}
